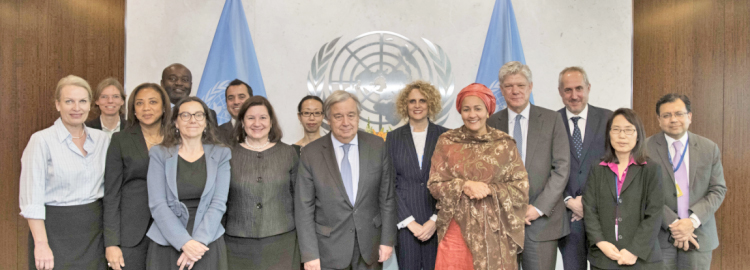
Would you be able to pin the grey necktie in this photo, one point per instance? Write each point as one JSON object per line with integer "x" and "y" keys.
{"x": 577, "y": 141}
{"x": 346, "y": 173}
{"x": 518, "y": 135}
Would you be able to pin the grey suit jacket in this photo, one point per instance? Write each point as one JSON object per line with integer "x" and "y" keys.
{"x": 548, "y": 165}
{"x": 170, "y": 215}
{"x": 325, "y": 218}
{"x": 707, "y": 186}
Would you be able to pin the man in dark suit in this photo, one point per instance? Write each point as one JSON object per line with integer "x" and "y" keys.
{"x": 694, "y": 185}
{"x": 344, "y": 200}
{"x": 543, "y": 145}
{"x": 586, "y": 127}
{"x": 177, "y": 80}
{"x": 236, "y": 94}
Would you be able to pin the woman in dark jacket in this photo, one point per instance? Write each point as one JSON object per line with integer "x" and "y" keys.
{"x": 623, "y": 200}
{"x": 126, "y": 213}
{"x": 411, "y": 147}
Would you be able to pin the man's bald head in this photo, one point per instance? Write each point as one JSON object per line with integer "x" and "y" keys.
{"x": 177, "y": 81}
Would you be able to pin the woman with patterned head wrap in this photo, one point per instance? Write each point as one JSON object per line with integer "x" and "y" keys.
{"x": 481, "y": 186}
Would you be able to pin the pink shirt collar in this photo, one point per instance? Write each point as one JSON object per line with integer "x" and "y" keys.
{"x": 621, "y": 179}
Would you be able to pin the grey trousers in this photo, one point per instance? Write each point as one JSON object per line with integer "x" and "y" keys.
{"x": 686, "y": 260}
{"x": 539, "y": 255}
{"x": 358, "y": 263}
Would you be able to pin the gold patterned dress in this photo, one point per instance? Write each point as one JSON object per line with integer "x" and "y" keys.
{"x": 492, "y": 227}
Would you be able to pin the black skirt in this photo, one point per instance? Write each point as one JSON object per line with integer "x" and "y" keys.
{"x": 165, "y": 257}
{"x": 278, "y": 252}
{"x": 74, "y": 234}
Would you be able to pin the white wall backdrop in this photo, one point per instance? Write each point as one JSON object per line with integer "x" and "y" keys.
{"x": 287, "y": 33}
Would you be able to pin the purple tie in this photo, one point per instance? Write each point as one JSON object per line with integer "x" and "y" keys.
{"x": 681, "y": 178}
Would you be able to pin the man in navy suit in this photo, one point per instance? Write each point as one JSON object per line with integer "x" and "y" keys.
{"x": 586, "y": 126}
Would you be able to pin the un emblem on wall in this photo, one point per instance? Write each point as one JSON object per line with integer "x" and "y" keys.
{"x": 375, "y": 66}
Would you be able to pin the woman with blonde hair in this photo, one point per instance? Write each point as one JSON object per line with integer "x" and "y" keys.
{"x": 418, "y": 102}
{"x": 62, "y": 183}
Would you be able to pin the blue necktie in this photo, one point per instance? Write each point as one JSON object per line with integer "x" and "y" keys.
{"x": 518, "y": 135}
{"x": 577, "y": 141}
{"x": 346, "y": 173}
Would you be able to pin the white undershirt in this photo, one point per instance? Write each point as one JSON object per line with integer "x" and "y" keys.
{"x": 419, "y": 138}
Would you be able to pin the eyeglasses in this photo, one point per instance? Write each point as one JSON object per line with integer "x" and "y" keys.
{"x": 308, "y": 114}
{"x": 628, "y": 131}
{"x": 107, "y": 97}
{"x": 199, "y": 116}
{"x": 667, "y": 116}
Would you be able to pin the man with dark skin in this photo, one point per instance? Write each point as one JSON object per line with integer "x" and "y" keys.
{"x": 177, "y": 80}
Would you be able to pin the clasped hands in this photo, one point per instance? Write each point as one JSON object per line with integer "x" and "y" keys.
{"x": 682, "y": 232}
{"x": 422, "y": 232}
{"x": 575, "y": 205}
{"x": 192, "y": 251}
{"x": 476, "y": 190}
{"x": 623, "y": 257}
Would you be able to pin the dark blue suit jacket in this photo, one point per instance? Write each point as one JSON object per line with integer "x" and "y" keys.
{"x": 592, "y": 151}
{"x": 412, "y": 196}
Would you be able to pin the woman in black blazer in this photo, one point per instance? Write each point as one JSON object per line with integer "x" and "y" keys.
{"x": 623, "y": 200}
{"x": 411, "y": 147}
{"x": 126, "y": 213}
{"x": 109, "y": 99}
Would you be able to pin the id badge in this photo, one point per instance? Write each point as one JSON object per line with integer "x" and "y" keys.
{"x": 679, "y": 191}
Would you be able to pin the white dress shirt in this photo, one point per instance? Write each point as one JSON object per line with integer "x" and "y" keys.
{"x": 110, "y": 131}
{"x": 686, "y": 163}
{"x": 419, "y": 138}
{"x": 353, "y": 160}
{"x": 581, "y": 122}
{"x": 524, "y": 132}
{"x": 55, "y": 172}
{"x": 524, "y": 127}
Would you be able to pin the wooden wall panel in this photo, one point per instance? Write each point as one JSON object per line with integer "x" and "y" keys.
{"x": 9, "y": 156}
{"x": 736, "y": 151}
{"x": 701, "y": 48}
{"x": 43, "y": 41}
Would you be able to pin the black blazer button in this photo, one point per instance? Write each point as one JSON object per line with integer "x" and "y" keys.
{"x": 619, "y": 219}
{"x": 259, "y": 179}
{"x": 259, "y": 206}
{"x": 620, "y": 236}
{"x": 421, "y": 184}
{"x": 619, "y": 201}
{"x": 351, "y": 230}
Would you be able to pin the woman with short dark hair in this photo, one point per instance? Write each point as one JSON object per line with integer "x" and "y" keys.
{"x": 623, "y": 200}
{"x": 260, "y": 211}
{"x": 310, "y": 115}
{"x": 109, "y": 101}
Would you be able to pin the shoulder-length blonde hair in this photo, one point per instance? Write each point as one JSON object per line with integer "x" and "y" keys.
{"x": 428, "y": 90}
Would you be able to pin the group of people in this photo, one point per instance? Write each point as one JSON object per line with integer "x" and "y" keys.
{"x": 172, "y": 189}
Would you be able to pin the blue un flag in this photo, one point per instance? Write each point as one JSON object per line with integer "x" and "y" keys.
{"x": 232, "y": 56}
{"x": 502, "y": 45}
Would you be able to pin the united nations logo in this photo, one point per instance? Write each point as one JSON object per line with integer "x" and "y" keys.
{"x": 375, "y": 66}
{"x": 215, "y": 100}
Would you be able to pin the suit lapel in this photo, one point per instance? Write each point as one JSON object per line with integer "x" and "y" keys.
{"x": 592, "y": 124}
{"x": 411, "y": 151}
{"x": 136, "y": 137}
{"x": 329, "y": 157}
{"x": 364, "y": 162}
{"x": 211, "y": 162}
{"x": 693, "y": 166}
{"x": 633, "y": 171}
{"x": 429, "y": 147}
{"x": 171, "y": 170}
{"x": 532, "y": 136}
{"x": 661, "y": 141}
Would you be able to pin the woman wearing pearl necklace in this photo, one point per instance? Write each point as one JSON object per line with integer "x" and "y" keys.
{"x": 260, "y": 211}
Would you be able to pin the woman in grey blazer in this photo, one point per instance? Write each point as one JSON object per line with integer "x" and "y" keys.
{"x": 188, "y": 185}
{"x": 623, "y": 200}
{"x": 260, "y": 211}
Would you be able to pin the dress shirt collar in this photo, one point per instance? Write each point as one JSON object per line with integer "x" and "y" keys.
{"x": 234, "y": 121}
{"x": 583, "y": 113}
{"x": 63, "y": 133}
{"x": 104, "y": 128}
{"x": 524, "y": 113}
{"x": 671, "y": 140}
{"x": 337, "y": 143}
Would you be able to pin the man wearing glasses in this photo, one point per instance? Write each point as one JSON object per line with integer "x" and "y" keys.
{"x": 694, "y": 186}
{"x": 236, "y": 94}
